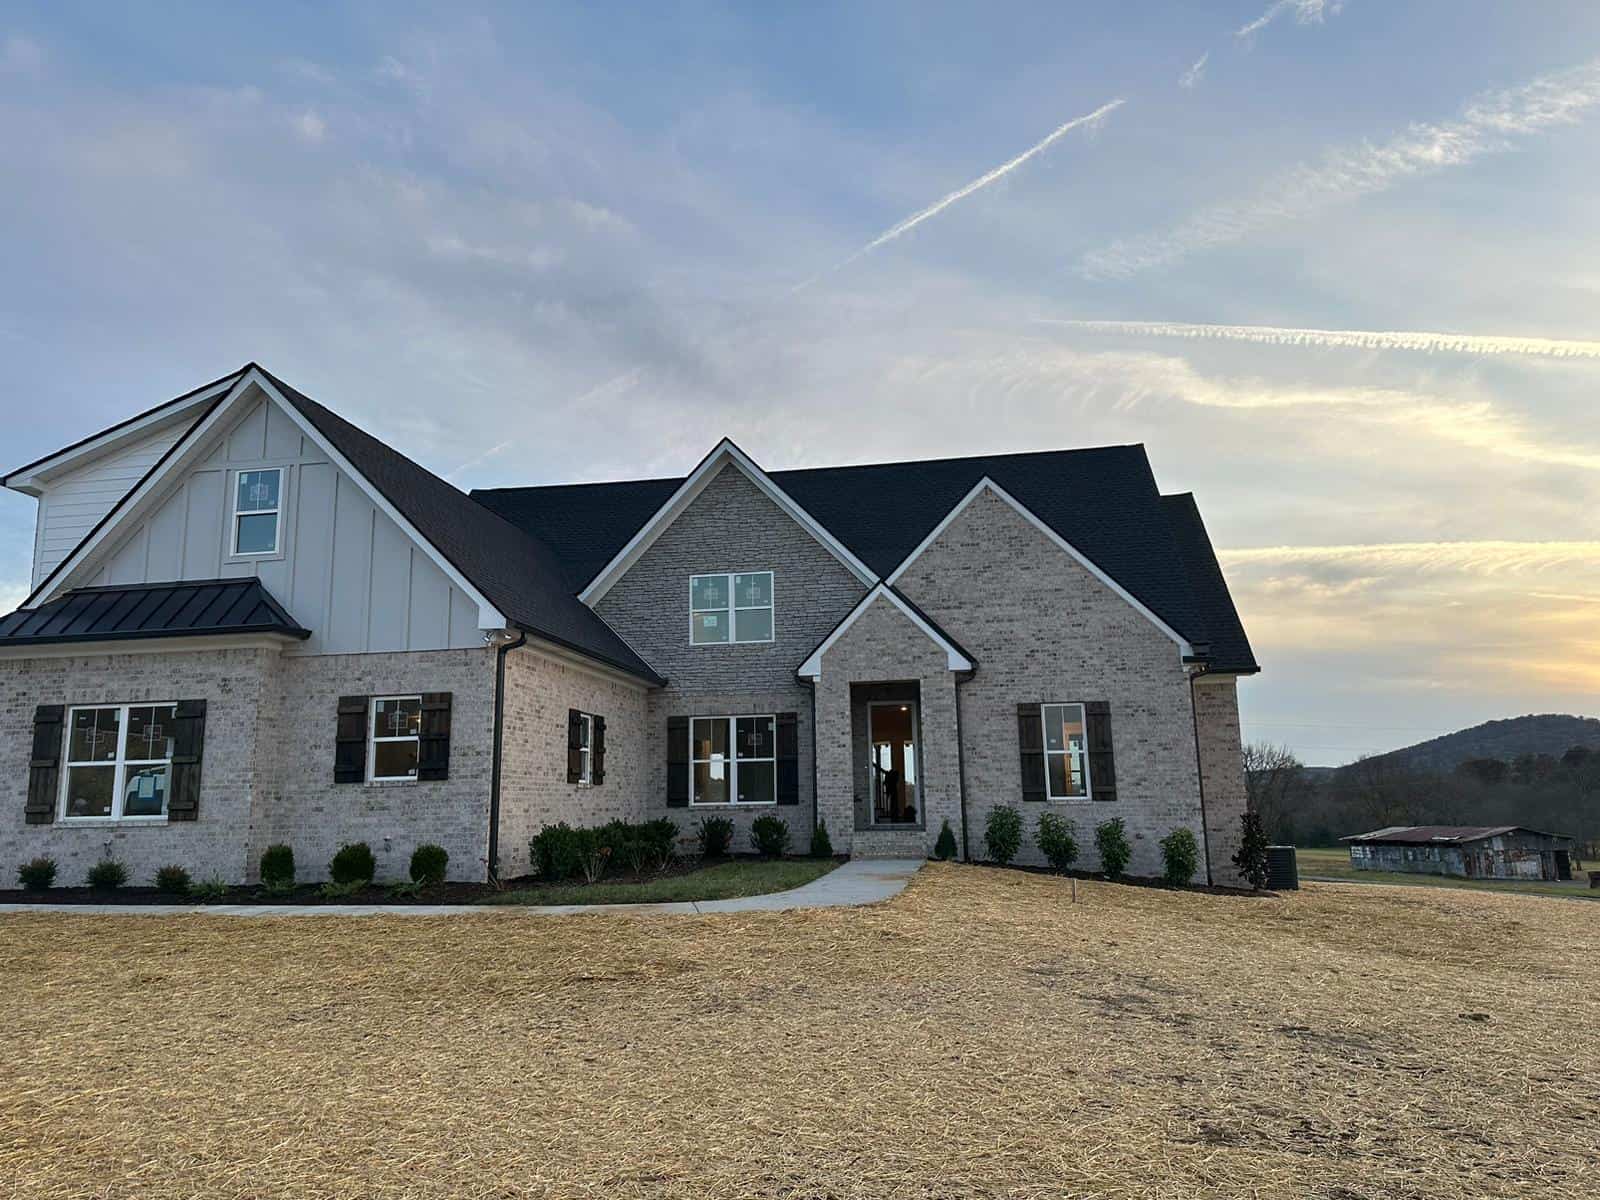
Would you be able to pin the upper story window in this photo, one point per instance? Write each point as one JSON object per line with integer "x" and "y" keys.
{"x": 119, "y": 761}
{"x": 396, "y": 736}
{"x": 257, "y": 507}
{"x": 734, "y": 607}
{"x": 1066, "y": 752}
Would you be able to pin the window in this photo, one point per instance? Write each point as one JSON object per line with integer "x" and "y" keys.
{"x": 730, "y": 608}
{"x": 256, "y": 507}
{"x": 1066, "y": 757}
{"x": 119, "y": 761}
{"x": 396, "y": 733}
{"x": 733, "y": 760}
{"x": 585, "y": 748}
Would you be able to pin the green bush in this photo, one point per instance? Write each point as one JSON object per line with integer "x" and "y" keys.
{"x": 277, "y": 866}
{"x": 173, "y": 881}
{"x": 945, "y": 848}
{"x": 1057, "y": 840}
{"x": 353, "y": 863}
{"x": 210, "y": 891}
{"x": 1111, "y": 839}
{"x": 770, "y": 836}
{"x": 715, "y": 835}
{"x": 554, "y": 852}
{"x": 592, "y": 852}
{"x": 1180, "y": 857}
{"x": 107, "y": 875}
{"x": 660, "y": 838}
{"x": 405, "y": 889}
{"x": 37, "y": 874}
{"x": 1252, "y": 856}
{"x": 821, "y": 843}
{"x": 1002, "y": 833}
{"x": 428, "y": 863}
{"x": 642, "y": 848}
{"x": 341, "y": 891}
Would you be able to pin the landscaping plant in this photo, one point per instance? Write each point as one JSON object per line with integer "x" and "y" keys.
{"x": 277, "y": 868}
{"x": 1056, "y": 840}
{"x": 591, "y": 852}
{"x": 1252, "y": 857}
{"x": 554, "y": 852}
{"x": 1111, "y": 839}
{"x": 944, "y": 849}
{"x": 341, "y": 891}
{"x": 1002, "y": 833}
{"x": 1180, "y": 856}
{"x": 107, "y": 875}
{"x": 211, "y": 890}
{"x": 715, "y": 835}
{"x": 353, "y": 864}
{"x": 428, "y": 863}
{"x": 821, "y": 843}
{"x": 37, "y": 874}
{"x": 770, "y": 836}
{"x": 173, "y": 881}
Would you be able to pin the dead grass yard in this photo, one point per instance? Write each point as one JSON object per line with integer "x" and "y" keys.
{"x": 978, "y": 1036}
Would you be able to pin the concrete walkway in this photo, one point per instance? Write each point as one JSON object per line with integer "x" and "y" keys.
{"x": 859, "y": 881}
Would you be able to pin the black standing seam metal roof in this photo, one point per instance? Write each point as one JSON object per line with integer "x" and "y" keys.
{"x": 150, "y": 610}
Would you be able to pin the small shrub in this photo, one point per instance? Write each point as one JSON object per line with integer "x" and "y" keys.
{"x": 821, "y": 843}
{"x": 212, "y": 890}
{"x": 554, "y": 852}
{"x": 770, "y": 836}
{"x": 1002, "y": 833}
{"x": 592, "y": 852}
{"x": 353, "y": 863}
{"x": 1057, "y": 841}
{"x": 37, "y": 874}
{"x": 405, "y": 889}
{"x": 341, "y": 891}
{"x": 660, "y": 838}
{"x": 278, "y": 887}
{"x": 428, "y": 863}
{"x": 1111, "y": 839}
{"x": 715, "y": 835}
{"x": 1252, "y": 857}
{"x": 107, "y": 875}
{"x": 1180, "y": 857}
{"x": 277, "y": 866}
{"x": 945, "y": 848}
{"x": 173, "y": 881}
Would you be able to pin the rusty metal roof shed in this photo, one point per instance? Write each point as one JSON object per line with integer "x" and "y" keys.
{"x": 1436, "y": 835}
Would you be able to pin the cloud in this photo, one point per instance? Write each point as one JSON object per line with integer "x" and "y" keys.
{"x": 20, "y": 55}
{"x": 309, "y": 127}
{"x": 1344, "y": 339}
{"x": 1492, "y": 123}
{"x": 1483, "y": 558}
{"x": 1306, "y": 12}
{"x": 1192, "y": 76}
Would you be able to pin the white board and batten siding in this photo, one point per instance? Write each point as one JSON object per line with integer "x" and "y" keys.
{"x": 345, "y": 570}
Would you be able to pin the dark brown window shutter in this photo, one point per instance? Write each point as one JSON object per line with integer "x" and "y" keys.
{"x": 1102, "y": 764}
{"x": 1030, "y": 741}
{"x": 350, "y": 741}
{"x": 574, "y": 746}
{"x": 44, "y": 768}
{"x": 433, "y": 741}
{"x": 188, "y": 748}
{"x": 677, "y": 762}
{"x": 788, "y": 758}
{"x": 597, "y": 750}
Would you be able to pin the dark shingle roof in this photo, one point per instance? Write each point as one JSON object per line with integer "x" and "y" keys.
{"x": 1103, "y": 500}
{"x": 518, "y": 573}
{"x": 1432, "y": 835}
{"x": 150, "y": 610}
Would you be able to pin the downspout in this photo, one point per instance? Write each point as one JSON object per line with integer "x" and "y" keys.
{"x": 1199, "y": 769}
{"x": 961, "y": 768}
{"x": 816, "y": 797}
{"x": 501, "y": 651}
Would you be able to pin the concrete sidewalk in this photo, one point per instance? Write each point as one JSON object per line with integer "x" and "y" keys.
{"x": 859, "y": 881}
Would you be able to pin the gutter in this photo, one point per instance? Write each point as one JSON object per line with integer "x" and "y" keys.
{"x": 499, "y": 734}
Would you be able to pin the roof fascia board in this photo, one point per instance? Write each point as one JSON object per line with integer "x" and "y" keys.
{"x": 151, "y": 645}
{"x": 31, "y": 479}
{"x": 489, "y": 617}
{"x": 578, "y": 661}
{"x": 723, "y": 453}
{"x": 955, "y": 660}
{"x": 1072, "y": 551}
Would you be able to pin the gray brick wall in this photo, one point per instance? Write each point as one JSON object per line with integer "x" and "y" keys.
{"x": 1222, "y": 768}
{"x": 1043, "y": 628}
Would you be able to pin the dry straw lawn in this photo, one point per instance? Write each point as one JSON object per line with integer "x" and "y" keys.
{"x": 978, "y": 1036}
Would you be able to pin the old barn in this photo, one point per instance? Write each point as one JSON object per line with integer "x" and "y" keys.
{"x": 1471, "y": 851}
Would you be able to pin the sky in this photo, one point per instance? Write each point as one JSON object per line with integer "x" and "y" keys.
{"x": 1334, "y": 264}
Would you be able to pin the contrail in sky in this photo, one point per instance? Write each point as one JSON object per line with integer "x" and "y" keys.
{"x": 983, "y": 181}
{"x": 1305, "y": 11}
{"x": 1345, "y": 339}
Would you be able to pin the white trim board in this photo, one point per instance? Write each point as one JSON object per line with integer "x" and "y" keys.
{"x": 722, "y": 454}
{"x": 181, "y": 643}
{"x": 1072, "y": 551}
{"x": 954, "y": 658}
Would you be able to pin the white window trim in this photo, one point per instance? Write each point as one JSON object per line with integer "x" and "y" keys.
{"x": 276, "y": 511}
{"x": 733, "y": 800}
{"x": 374, "y": 741}
{"x": 121, "y": 764}
{"x": 734, "y": 607}
{"x": 586, "y": 750}
{"x": 1044, "y": 734}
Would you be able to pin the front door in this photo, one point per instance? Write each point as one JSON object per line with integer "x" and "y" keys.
{"x": 893, "y": 762}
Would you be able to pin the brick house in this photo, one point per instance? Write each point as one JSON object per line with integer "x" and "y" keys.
{"x": 251, "y": 622}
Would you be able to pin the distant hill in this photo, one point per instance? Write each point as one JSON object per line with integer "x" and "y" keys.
{"x": 1544, "y": 733}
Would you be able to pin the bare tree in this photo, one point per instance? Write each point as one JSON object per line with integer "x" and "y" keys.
{"x": 1273, "y": 782}
{"x": 1383, "y": 793}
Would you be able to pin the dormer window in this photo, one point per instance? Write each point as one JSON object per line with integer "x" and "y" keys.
{"x": 257, "y": 506}
{"x": 735, "y": 607}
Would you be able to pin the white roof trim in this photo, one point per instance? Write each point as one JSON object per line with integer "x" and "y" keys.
{"x": 1077, "y": 555}
{"x": 31, "y": 480}
{"x": 724, "y": 453}
{"x": 955, "y": 660}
